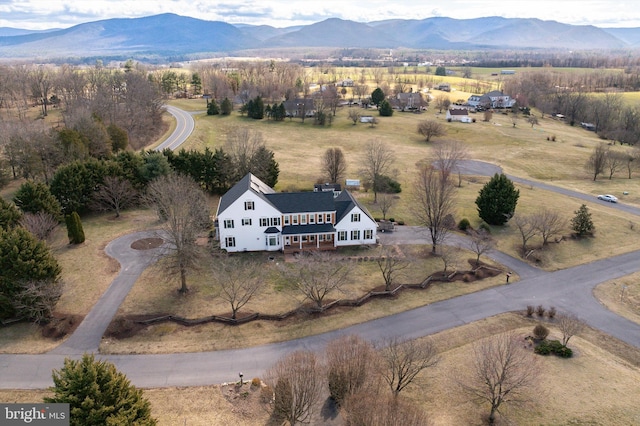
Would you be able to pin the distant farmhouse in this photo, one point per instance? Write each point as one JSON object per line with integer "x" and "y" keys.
{"x": 299, "y": 107}
{"x": 459, "y": 114}
{"x": 494, "y": 99}
{"x": 253, "y": 217}
{"x": 412, "y": 101}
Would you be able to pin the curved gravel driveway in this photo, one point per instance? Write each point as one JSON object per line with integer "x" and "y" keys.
{"x": 570, "y": 290}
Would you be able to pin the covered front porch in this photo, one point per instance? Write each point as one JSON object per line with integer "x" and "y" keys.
{"x": 299, "y": 238}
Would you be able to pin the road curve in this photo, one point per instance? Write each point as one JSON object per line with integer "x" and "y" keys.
{"x": 184, "y": 127}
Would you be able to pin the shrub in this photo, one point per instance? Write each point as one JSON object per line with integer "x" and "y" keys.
{"x": 255, "y": 382}
{"x": 485, "y": 227}
{"x": 530, "y": 310}
{"x": 391, "y": 219}
{"x": 449, "y": 222}
{"x": 540, "y": 332}
{"x": 464, "y": 224}
{"x": 74, "y": 229}
{"x": 540, "y": 310}
{"x": 552, "y": 312}
{"x": 266, "y": 394}
{"x": 547, "y": 347}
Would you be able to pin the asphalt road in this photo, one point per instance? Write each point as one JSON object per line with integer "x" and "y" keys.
{"x": 569, "y": 290}
{"x": 184, "y": 127}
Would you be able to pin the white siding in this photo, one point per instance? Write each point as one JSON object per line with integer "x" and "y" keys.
{"x": 365, "y": 223}
{"x": 248, "y": 237}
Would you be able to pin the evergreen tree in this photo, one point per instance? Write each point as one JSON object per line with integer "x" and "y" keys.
{"x": 74, "y": 228}
{"x": 9, "y": 215}
{"x": 23, "y": 259}
{"x": 119, "y": 138}
{"x": 282, "y": 112}
{"x": 268, "y": 112}
{"x": 442, "y": 71}
{"x": 581, "y": 223}
{"x": 255, "y": 108}
{"x": 34, "y": 197}
{"x": 385, "y": 109}
{"x": 226, "y": 107}
{"x": 98, "y": 394}
{"x": 497, "y": 200}
{"x": 377, "y": 96}
{"x": 73, "y": 184}
{"x": 264, "y": 166}
{"x": 212, "y": 108}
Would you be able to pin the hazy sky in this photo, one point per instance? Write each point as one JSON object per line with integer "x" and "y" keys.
{"x": 43, "y": 14}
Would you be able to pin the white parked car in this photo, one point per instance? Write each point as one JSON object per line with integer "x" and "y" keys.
{"x": 608, "y": 197}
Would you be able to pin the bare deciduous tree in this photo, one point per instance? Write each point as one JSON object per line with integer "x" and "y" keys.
{"x": 442, "y": 102}
{"x": 614, "y": 160}
{"x": 378, "y": 159}
{"x": 385, "y": 203}
{"x": 527, "y": 227}
{"x": 354, "y": 115}
{"x": 350, "y": 367}
{"x": 434, "y": 199}
{"x": 297, "y": 383}
{"x": 430, "y": 129}
{"x": 242, "y": 145}
{"x": 448, "y": 256}
{"x": 316, "y": 275}
{"x": 447, "y": 156}
{"x": 549, "y": 223}
{"x": 182, "y": 208}
{"x": 504, "y": 372}
{"x": 238, "y": 281}
{"x": 114, "y": 194}
{"x": 40, "y": 224}
{"x": 391, "y": 266}
{"x": 334, "y": 165}
{"x": 597, "y": 161}
{"x": 569, "y": 326}
{"x": 480, "y": 242}
{"x": 403, "y": 360}
{"x": 37, "y": 299}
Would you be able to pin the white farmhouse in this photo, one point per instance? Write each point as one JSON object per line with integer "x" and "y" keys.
{"x": 253, "y": 217}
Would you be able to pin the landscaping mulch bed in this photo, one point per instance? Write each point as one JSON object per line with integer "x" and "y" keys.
{"x": 147, "y": 243}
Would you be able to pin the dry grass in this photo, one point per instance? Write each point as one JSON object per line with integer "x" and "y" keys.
{"x": 278, "y": 297}
{"x": 597, "y": 386}
{"x": 622, "y": 296}
{"x": 594, "y": 387}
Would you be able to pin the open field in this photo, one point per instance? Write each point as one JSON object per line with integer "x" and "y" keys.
{"x": 571, "y": 391}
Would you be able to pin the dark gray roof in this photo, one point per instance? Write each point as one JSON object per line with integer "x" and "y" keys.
{"x": 344, "y": 203}
{"x": 302, "y": 202}
{"x": 249, "y": 182}
{"x": 271, "y": 230}
{"x": 319, "y": 228}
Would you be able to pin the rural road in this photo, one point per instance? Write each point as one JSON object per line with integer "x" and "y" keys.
{"x": 184, "y": 127}
{"x": 569, "y": 290}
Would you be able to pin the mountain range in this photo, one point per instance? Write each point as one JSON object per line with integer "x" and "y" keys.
{"x": 170, "y": 35}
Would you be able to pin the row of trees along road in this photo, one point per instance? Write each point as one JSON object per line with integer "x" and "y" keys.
{"x": 356, "y": 373}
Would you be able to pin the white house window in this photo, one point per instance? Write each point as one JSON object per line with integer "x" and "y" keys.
{"x": 303, "y": 219}
{"x": 230, "y": 241}
{"x": 342, "y": 235}
{"x": 328, "y": 218}
{"x": 368, "y": 234}
{"x": 228, "y": 223}
{"x": 246, "y": 221}
{"x": 320, "y": 218}
{"x": 321, "y": 237}
{"x": 264, "y": 221}
{"x": 275, "y": 221}
{"x": 355, "y": 217}
{"x": 294, "y": 219}
{"x": 355, "y": 234}
{"x": 273, "y": 240}
{"x": 312, "y": 219}
{"x": 286, "y": 220}
{"x": 248, "y": 205}
{"x": 295, "y": 238}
